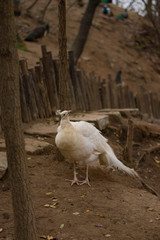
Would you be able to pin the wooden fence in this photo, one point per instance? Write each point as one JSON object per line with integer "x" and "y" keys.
{"x": 39, "y": 87}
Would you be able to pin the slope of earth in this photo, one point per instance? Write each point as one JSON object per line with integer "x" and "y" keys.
{"x": 114, "y": 207}
{"x": 111, "y": 46}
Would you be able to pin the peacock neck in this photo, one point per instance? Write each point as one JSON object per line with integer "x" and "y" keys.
{"x": 65, "y": 123}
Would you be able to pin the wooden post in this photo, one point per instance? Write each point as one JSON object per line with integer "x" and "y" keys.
{"x": 127, "y": 153}
{"x": 43, "y": 91}
{"x": 50, "y": 81}
{"x": 95, "y": 91}
{"x": 26, "y": 117}
{"x": 29, "y": 94}
{"x": 88, "y": 84}
{"x": 120, "y": 97}
{"x": 56, "y": 70}
{"x": 44, "y": 50}
{"x": 75, "y": 82}
{"x": 82, "y": 87}
{"x": 111, "y": 91}
{"x": 126, "y": 97}
{"x": 37, "y": 94}
{"x": 151, "y": 104}
{"x": 103, "y": 94}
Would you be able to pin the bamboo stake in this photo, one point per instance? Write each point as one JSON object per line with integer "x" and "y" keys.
{"x": 129, "y": 148}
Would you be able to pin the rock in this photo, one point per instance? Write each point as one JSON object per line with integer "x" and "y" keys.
{"x": 3, "y": 164}
{"x": 48, "y": 128}
{"x": 34, "y": 146}
{"x": 114, "y": 117}
{"x": 2, "y": 145}
{"x": 100, "y": 120}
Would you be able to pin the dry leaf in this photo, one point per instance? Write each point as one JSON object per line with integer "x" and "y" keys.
{"x": 52, "y": 206}
{"x": 48, "y": 193}
{"x": 54, "y": 199}
{"x": 150, "y": 209}
{"x": 82, "y": 196}
{"x": 98, "y": 225}
{"x": 101, "y": 215}
{"x": 107, "y": 235}
{"x": 156, "y": 159}
{"x": 87, "y": 211}
{"x": 61, "y": 226}
{"x": 48, "y": 237}
{"x": 76, "y": 213}
{"x": 46, "y": 205}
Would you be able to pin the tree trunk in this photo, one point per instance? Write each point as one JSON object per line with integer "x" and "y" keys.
{"x": 24, "y": 219}
{"x": 85, "y": 25}
{"x": 63, "y": 67}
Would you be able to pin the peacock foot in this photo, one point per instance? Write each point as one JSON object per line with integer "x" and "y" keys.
{"x": 86, "y": 181}
{"x": 74, "y": 181}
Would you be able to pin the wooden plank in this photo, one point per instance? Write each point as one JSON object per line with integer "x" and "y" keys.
{"x": 95, "y": 91}
{"x": 50, "y": 81}
{"x": 126, "y": 97}
{"x": 44, "y": 51}
{"x": 39, "y": 102}
{"x": 103, "y": 94}
{"x": 99, "y": 120}
{"x": 88, "y": 95}
{"x": 111, "y": 92}
{"x": 26, "y": 117}
{"x": 119, "y": 96}
{"x": 81, "y": 82}
{"x": 27, "y": 84}
{"x": 75, "y": 83}
{"x": 43, "y": 91}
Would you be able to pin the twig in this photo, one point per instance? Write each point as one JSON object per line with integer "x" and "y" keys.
{"x": 128, "y": 148}
{"x": 70, "y": 6}
{"x": 152, "y": 149}
{"x": 32, "y": 5}
{"x": 148, "y": 188}
{"x": 45, "y": 9}
{"x": 147, "y": 151}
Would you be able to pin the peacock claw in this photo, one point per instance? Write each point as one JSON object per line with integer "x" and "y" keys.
{"x": 86, "y": 181}
{"x": 74, "y": 181}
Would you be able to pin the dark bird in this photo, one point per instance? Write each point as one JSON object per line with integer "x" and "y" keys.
{"x": 17, "y": 9}
{"x": 38, "y": 32}
{"x": 107, "y": 11}
{"x": 118, "y": 78}
{"x": 80, "y": 3}
{"x": 83, "y": 143}
{"x": 107, "y": 1}
{"x": 122, "y": 15}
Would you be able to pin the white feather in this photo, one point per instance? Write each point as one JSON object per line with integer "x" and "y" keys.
{"x": 82, "y": 142}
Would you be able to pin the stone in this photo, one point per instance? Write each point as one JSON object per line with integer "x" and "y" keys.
{"x": 48, "y": 128}
{"x": 35, "y": 146}
{"x": 100, "y": 120}
{"x": 3, "y": 164}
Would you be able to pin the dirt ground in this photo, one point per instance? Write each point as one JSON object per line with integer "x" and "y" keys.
{"x": 112, "y": 45}
{"x": 116, "y": 207}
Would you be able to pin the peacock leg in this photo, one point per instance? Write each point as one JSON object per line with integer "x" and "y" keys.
{"x": 75, "y": 179}
{"x": 86, "y": 181}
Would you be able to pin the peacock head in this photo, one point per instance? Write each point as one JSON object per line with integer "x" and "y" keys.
{"x": 64, "y": 114}
{"x": 47, "y": 28}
